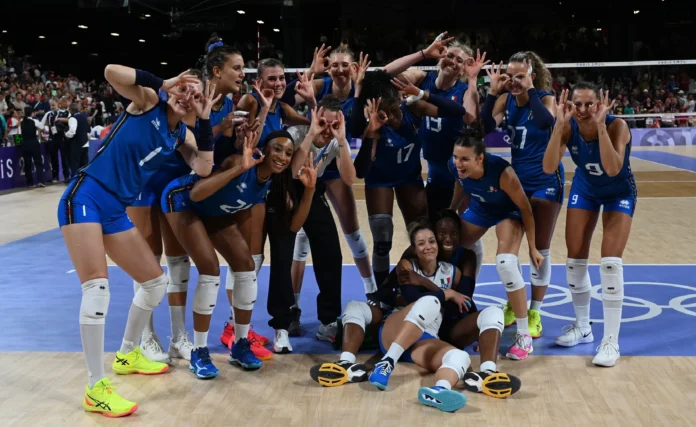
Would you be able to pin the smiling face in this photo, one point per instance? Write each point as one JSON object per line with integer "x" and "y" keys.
{"x": 340, "y": 68}
{"x": 425, "y": 246}
{"x": 331, "y": 118}
{"x": 467, "y": 161}
{"x": 273, "y": 78}
{"x": 452, "y": 64}
{"x": 182, "y": 103}
{"x": 583, "y": 100}
{"x": 447, "y": 234}
{"x": 515, "y": 70}
{"x": 278, "y": 154}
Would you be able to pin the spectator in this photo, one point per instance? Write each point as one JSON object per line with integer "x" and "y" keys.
{"x": 31, "y": 149}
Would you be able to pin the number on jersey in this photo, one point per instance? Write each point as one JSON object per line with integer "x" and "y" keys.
{"x": 594, "y": 169}
{"x": 524, "y": 135}
{"x": 400, "y": 158}
{"x": 433, "y": 123}
{"x": 232, "y": 209}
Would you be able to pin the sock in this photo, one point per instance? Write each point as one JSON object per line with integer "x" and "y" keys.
{"x": 581, "y": 304}
{"x": 93, "y": 347}
{"x": 200, "y": 339}
{"x": 297, "y": 299}
{"x": 370, "y": 284}
{"x": 347, "y": 356}
{"x": 394, "y": 353}
{"x": 177, "y": 314}
{"x": 612, "y": 320}
{"x": 241, "y": 331}
{"x": 444, "y": 384}
{"x": 150, "y": 325}
{"x": 535, "y": 305}
{"x": 137, "y": 319}
{"x": 488, "y": 366}
{"x": 523, "y": 325}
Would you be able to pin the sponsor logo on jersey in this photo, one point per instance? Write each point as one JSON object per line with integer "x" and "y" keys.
{"x": 241, "y": 187}
{"x": 156, "y": 123}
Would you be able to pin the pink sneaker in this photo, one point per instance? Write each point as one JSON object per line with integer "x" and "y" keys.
{"x": 521, "y": 348}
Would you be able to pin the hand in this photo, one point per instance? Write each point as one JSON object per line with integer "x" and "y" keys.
{"x": 376, "y": 118}
{"x": 308, "y": 172}
{"x": 233, "y": 119}
{"x": 181, "y": 81}
{"x": 438, "y": 47}
{"x": 406, "y": 87}
{"x": 245, "y": 129}
{"x": 564, "y": 109}
{"x": 359, "y": 74}
{"x": 204, "y": 103}
{"x": 472, "y": 67}
{"x": 304, "y": 86}
{"x": 536, "y": 258}
{"x": 338, "y": 127}
{"x": 459, "y": 299}
{"x": 248, "y": 151}
{"x": 600, "y": 109}
{"x": 498, "y": 80}
{"x": 525, "y": 79}
{"x": 318, "y": 124}
{"x": 320, "y": 63}
{"x": 265, "y": 95}
{"x": 409, "y": 277}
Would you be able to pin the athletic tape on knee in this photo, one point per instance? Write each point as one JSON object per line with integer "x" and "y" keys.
{"x": 95, "y": 302}
{"x": 205, "y": 295}
{"x": 509, "y": 272}
{"x": 542, "y": 276}
{"x": 301, "y": 246}
{"x": 456, "y": 360}
{"x": 382, "y": 227}
{"x": 578, "y": 275}
{"x": 229, "y": 279}
{"x": 245, "y": 290}
{"x": 425, "y": 314}
{"x": 151, "y": 293}
{"x": 357, "y": 313}
{"x": 611, "y": 273}
{"x": 478, "y": 250}
{"x": 179, "y": 270}
{"x": 357, "y": 244}
{"x": 491, "y": 318}
{"x": 258, "y": 262}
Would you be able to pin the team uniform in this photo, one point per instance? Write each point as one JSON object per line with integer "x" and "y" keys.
{"x": 488, "y": 204}
{"x": 592, "y": 188}
{"x": 331, "y": 171}
{"x": 274, "y": 120}
{"x": 528, "y": 148}
{"x": 225, "y": 146}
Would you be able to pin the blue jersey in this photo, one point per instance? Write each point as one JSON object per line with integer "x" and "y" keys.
{"x": 346, "y": 104}
{"x": 590, "y": 178}
{"x": 486, "y": 191}
{"x": 239, "y": 194}
{"x": 133, "y": 151}
{"x": 274, "y": 120}
{"x": 397, "y": 159}
{"x": 216, "y": 117}
{"x": 440, "y": 133}
{"x": 528, "y": 146}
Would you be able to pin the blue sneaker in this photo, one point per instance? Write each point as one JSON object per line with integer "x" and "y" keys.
{"x": 242, "y": 355}
{"x": 380, "y": 375}
{"x": 441, "y": 398}
{"x": 201, "y": 365}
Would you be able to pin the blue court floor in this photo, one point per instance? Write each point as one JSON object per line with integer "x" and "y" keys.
{"x": 41, "y": 300}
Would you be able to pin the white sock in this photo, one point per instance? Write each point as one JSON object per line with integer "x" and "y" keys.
{"x": 137, "y": 318}
{"x": 444, "y": 384}
{"x": 395, "y": 351}
{"x": 241, "y": 331}
{"x": 581, "y": 304}
{"x": 177, "y": 314}
{"x": 612, "y": 320}
{"x": 488, "y": 366}
{"x": 297, "y": 299}
{"x": 200, "y": 339}
{"x": 535, "y": 305}
{"x": 370, "y": 284}
{"x": 347, "y": 356}
{"x": 150, "y": 325}
{"x": 523, "y": 325}
{"x": 611, "y": 273}
{"x": 93, "y": 347}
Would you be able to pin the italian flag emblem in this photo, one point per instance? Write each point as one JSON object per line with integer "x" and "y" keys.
{"x": 445, "y": 281}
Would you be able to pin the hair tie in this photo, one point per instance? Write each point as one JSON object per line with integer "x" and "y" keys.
{"x": 214, "y": 45}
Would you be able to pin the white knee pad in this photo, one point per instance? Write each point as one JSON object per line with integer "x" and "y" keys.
{"x": 205, "y": 296}
{"x": 542, "y": 276}
{"x": 478, "y": 250}
{"x": 357, "y": 244}
{"x": 151, "y": 293}
{"x": 179, "y": 269}
{"x": 456, "y": 360}
{"x": 229, "y": 279}
{"x": 301, "y": 246}
{"x": 578, "y": 276}
{"x": 611, "y": 273}
{"x": 490, "y": 318}
{"x": 136, "y": 285}
{"x": 425, "y": 314}
{"x": 509, "y": 272}
{"x": 245, "y": 290}
{"x": 258, "y": 262}
{"x": 95, "y": 302}
{"x": 357, "y": 313}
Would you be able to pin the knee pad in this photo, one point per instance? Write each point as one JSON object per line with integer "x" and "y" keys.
{"x": 357, "y": 244}
{"x": 578, "y": 276}
{"x": 611, "y": 273}
{"x": 136, "y": 285}
{"x": 425, "y": 313}
{"x": 229, "y": 279}
{"x": 95, "y": 302}
{"x": 382, "y": 228}
{"x": 357, "y": 313}
{"x": 245, "y": 290}
{"x": 258, "y": 262}
{"x": 301, "y": 246}
{"x": 509, "y": 272}
{"x": 542, "y": 276}
{"x": 205, "y": 296}
{"x": 456, "y": 360}
{"x": 179, "y": 269}
{"x": 478, "y": 250}
{"x": 490, "y": 318}
{"x": 151, "y": 293}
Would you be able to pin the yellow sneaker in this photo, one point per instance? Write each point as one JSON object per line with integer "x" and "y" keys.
{"x": 534, "y": 323}
{"x": 509, "y": 315}
{"x": 103, "y": 399}
{"x": 136, "y": 363}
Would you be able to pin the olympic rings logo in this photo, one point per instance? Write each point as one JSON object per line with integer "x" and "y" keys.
{"x": 563, "y": 296}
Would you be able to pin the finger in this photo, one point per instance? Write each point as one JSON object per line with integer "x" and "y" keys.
{"x": 447, "y": 40}
{"x": 257, "y": 151}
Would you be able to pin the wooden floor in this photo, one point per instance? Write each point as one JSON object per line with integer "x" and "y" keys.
{"x": 45, "y": 388}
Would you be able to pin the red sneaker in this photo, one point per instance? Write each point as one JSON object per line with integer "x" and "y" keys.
{"x": 260, "y": 351}
{"x": 227, "y": 337}
{"x": 253, "y": 336}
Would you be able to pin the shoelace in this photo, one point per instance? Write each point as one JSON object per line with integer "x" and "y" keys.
{"x": 107, "y": 386}
{"x": 383, "y": 367}
{"x": 153, "y": 344}
{"x": 204, "y": 356}
{"x": 603, "y": 347}
{"x": 519, "y": 341}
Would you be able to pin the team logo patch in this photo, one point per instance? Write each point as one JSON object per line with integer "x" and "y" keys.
{"x": 625, "y": 204}
{"x": 445, "y": 281}
{"x": 492, "y": 189}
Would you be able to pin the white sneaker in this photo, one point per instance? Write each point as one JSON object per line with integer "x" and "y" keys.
{"x": 281, "y": 342}
{"x": 181, "y": 348}
{"x": 607, "y": 354}
{"x": 328, "y": 332}
{"x": 151, "y": 348}
{"x": 574, "y": 335}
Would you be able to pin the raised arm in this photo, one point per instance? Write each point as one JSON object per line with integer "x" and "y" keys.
{"x": 560, "y": 134}
{"x": 308, "y": 177}
{"x": 436, "y": 50}
{"x": 141, "y": 87}
{"x": 612, "y": 141}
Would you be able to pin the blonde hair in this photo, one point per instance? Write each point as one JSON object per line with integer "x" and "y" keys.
{"x": 543, "y": 79}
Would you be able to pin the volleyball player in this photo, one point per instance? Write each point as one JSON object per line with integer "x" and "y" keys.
{"x": 496, "y": 198}
{"x": 600, "y": 146}
{"x": 520, "y": 100}
{"x": 93, "y": 220}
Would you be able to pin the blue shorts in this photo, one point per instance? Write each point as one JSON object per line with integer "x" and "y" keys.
{"x": 416, "y": 181}
{"x": 406, "y": 356}
{"x": 553, "y": 192}
{"x": 478, "y": 215}
{"x": 176, "y": 196}
{"x": 146, "y": 198}
{"x": 86, "y": 201}
{"x": 624, "y": 204}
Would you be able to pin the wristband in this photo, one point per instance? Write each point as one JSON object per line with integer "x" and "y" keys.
{"x": 414, "y": 98}
{"x": 145, "y": 79}
{"x": 205, "y": 136}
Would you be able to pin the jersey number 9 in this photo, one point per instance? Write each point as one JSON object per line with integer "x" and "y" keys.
{"x": 594, "y": 169}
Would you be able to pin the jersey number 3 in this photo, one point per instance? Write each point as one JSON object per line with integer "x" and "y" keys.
{"x": 400, "y": 158}
{"x": 594, "y": 169}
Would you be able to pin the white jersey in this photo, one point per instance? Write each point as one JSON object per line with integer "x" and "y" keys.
{"x": 324, "y": 154}
{"x": 443, "y": 278}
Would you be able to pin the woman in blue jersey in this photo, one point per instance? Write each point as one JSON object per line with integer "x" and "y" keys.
{"x": 520, "y": 102}
{"x": 93, "y": 220}
{"x": 600, "y": 146}
{"x": 496, "y": 199}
